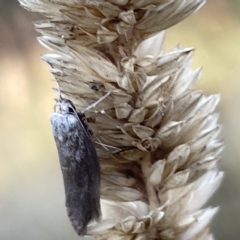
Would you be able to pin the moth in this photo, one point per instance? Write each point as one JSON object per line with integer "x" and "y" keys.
{"x": 79, "y": 164}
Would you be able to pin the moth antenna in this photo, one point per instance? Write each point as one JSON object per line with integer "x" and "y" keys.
{"x": 59, "y": 91}
{"x": 97, "y": 102}
{"x": 58, "y": 100}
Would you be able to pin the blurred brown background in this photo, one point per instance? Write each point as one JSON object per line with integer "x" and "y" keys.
{"x": 31, "y": 190}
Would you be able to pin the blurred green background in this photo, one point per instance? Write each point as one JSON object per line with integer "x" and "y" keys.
{"x": 31, "y": 189}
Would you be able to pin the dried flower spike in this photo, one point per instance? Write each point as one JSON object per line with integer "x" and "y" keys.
{"x": 157, "y": 137}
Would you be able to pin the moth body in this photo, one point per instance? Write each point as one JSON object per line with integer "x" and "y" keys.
{"x": 79, "y": 164}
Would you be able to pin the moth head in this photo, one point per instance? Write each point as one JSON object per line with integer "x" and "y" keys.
{"x": 65, "y": 106}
